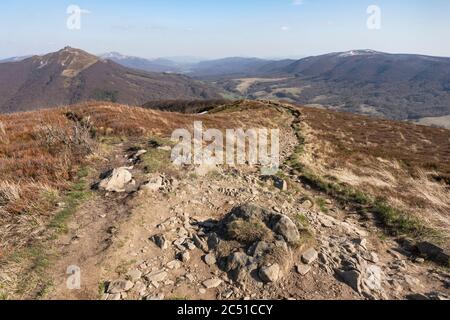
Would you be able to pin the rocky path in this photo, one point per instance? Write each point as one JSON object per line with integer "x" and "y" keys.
{"x": 231, "y": 234}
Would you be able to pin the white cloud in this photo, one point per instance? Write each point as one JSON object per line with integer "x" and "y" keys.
{"x": 298, "y": 2}
{"x": 285, "y": 28}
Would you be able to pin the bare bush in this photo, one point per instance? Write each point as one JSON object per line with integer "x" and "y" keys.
{"x": 9, "y": 192}
{"x": 3, "y": 136}
{"x": 24, "y": 211}
{"x": 77, "y": 139}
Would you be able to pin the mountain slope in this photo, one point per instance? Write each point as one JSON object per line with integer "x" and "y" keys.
{"x": 72, "y": 75}
{"x": 372, "y": 67}
{"x": 394, "y": 86}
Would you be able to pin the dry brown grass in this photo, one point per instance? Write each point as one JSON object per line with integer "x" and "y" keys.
{"x": 115, "y": 119}
{"x": 406, "y": 164}
{"x": 39, "y": 156}
{"x": 249, "y": 231}
{"x": 41, "y": 151}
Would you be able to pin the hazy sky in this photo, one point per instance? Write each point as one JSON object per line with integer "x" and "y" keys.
{"x": 210, "y": 28}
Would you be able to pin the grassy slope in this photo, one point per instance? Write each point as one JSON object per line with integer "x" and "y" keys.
{"x": 397, "y": 171}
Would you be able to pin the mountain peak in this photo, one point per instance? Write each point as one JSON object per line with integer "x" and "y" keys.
{"x": 363, "y": 52}
{"x": 72, "y": 60}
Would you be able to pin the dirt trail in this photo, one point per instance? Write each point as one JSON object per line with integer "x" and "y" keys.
{"x": 110, "y": 238}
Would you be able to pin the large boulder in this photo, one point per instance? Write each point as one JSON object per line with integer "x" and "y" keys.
{"x": 433, "y": 252}
{"x": 279, "y": 224}
{"x": 250, "y": 211}
{"x": 237, "y": 260}
{"x": 309, "y": 256}
{"x": 286, "y": 228}
{"x": 269, "y": 273}
{"x": 153, "y": 184}
{"x": 256, "y": 243}
{"x": 259, "y": 249}
{"x": 119, "y": 286}
{"x": 116, "y": 180}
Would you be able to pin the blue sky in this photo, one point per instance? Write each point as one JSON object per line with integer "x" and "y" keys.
{"x": 210, "y": 28}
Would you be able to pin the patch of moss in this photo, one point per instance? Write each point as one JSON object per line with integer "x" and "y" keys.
{"x": 248, "y": 231}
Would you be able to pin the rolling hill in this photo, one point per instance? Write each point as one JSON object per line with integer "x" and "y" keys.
{"x": 393, "y": 86}
{"x": 72, "y": 75}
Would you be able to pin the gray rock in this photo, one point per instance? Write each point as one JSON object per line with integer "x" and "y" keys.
{"x": 190, "y": 277}
{"x": 352, "y": 278}
{"x": 185, "y": 256}
{"x": 135, "y": 157}
{"x": 433, "y": 252}
{"x": 237, "y": 260}
{"x": 114, "y": 297}
{"x": 160, "y": 241}
{"x": 210, "y": 259}
{"x": 154, "y": 184}
{"x": 140, "y": 288}
{"x": 307, "y": 204}
{"x": 249, "y": 211}
{"x": 213, "y": 241}
{"x": 372, "y": 257}
{"x": 119, "y": 286}
{"x": 418, "y": 297}
{"x": 116, "y": 180}
{"x": 199, "y": 243}
{"x": 190, "y": 245}
{"x": 179, "y": 241}
{"x": 362, "y": 243}
{"x": 419, "y": 260}
{"x": 227, "y": 294}
{"x": 309, "y": 256}
{"x": 327, "y": 223}
{"x": 156, "y": 276}
{"x": 269, "y": 273}
{"x": 212, "y": 283}
{"x": 134, "y": 275}
{"x": 372, "y": 278}
{"x": 287, "y": 229}
{"x": 280, "y": 183}
{"x": 303, "y": 269}
{"x": 258, "y": 249}
{"x": 174, "y": 264}
{"x": 408, "y": 244}
{"x": 428, "y": 249}
{"x": 158, "y": 297}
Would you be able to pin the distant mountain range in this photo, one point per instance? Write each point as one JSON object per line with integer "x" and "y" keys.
{"x": 155, "y": 65}
{"x": 14, "y": 59}
{"x": 394, "y": 86}
{"x": 71, "y": 75}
